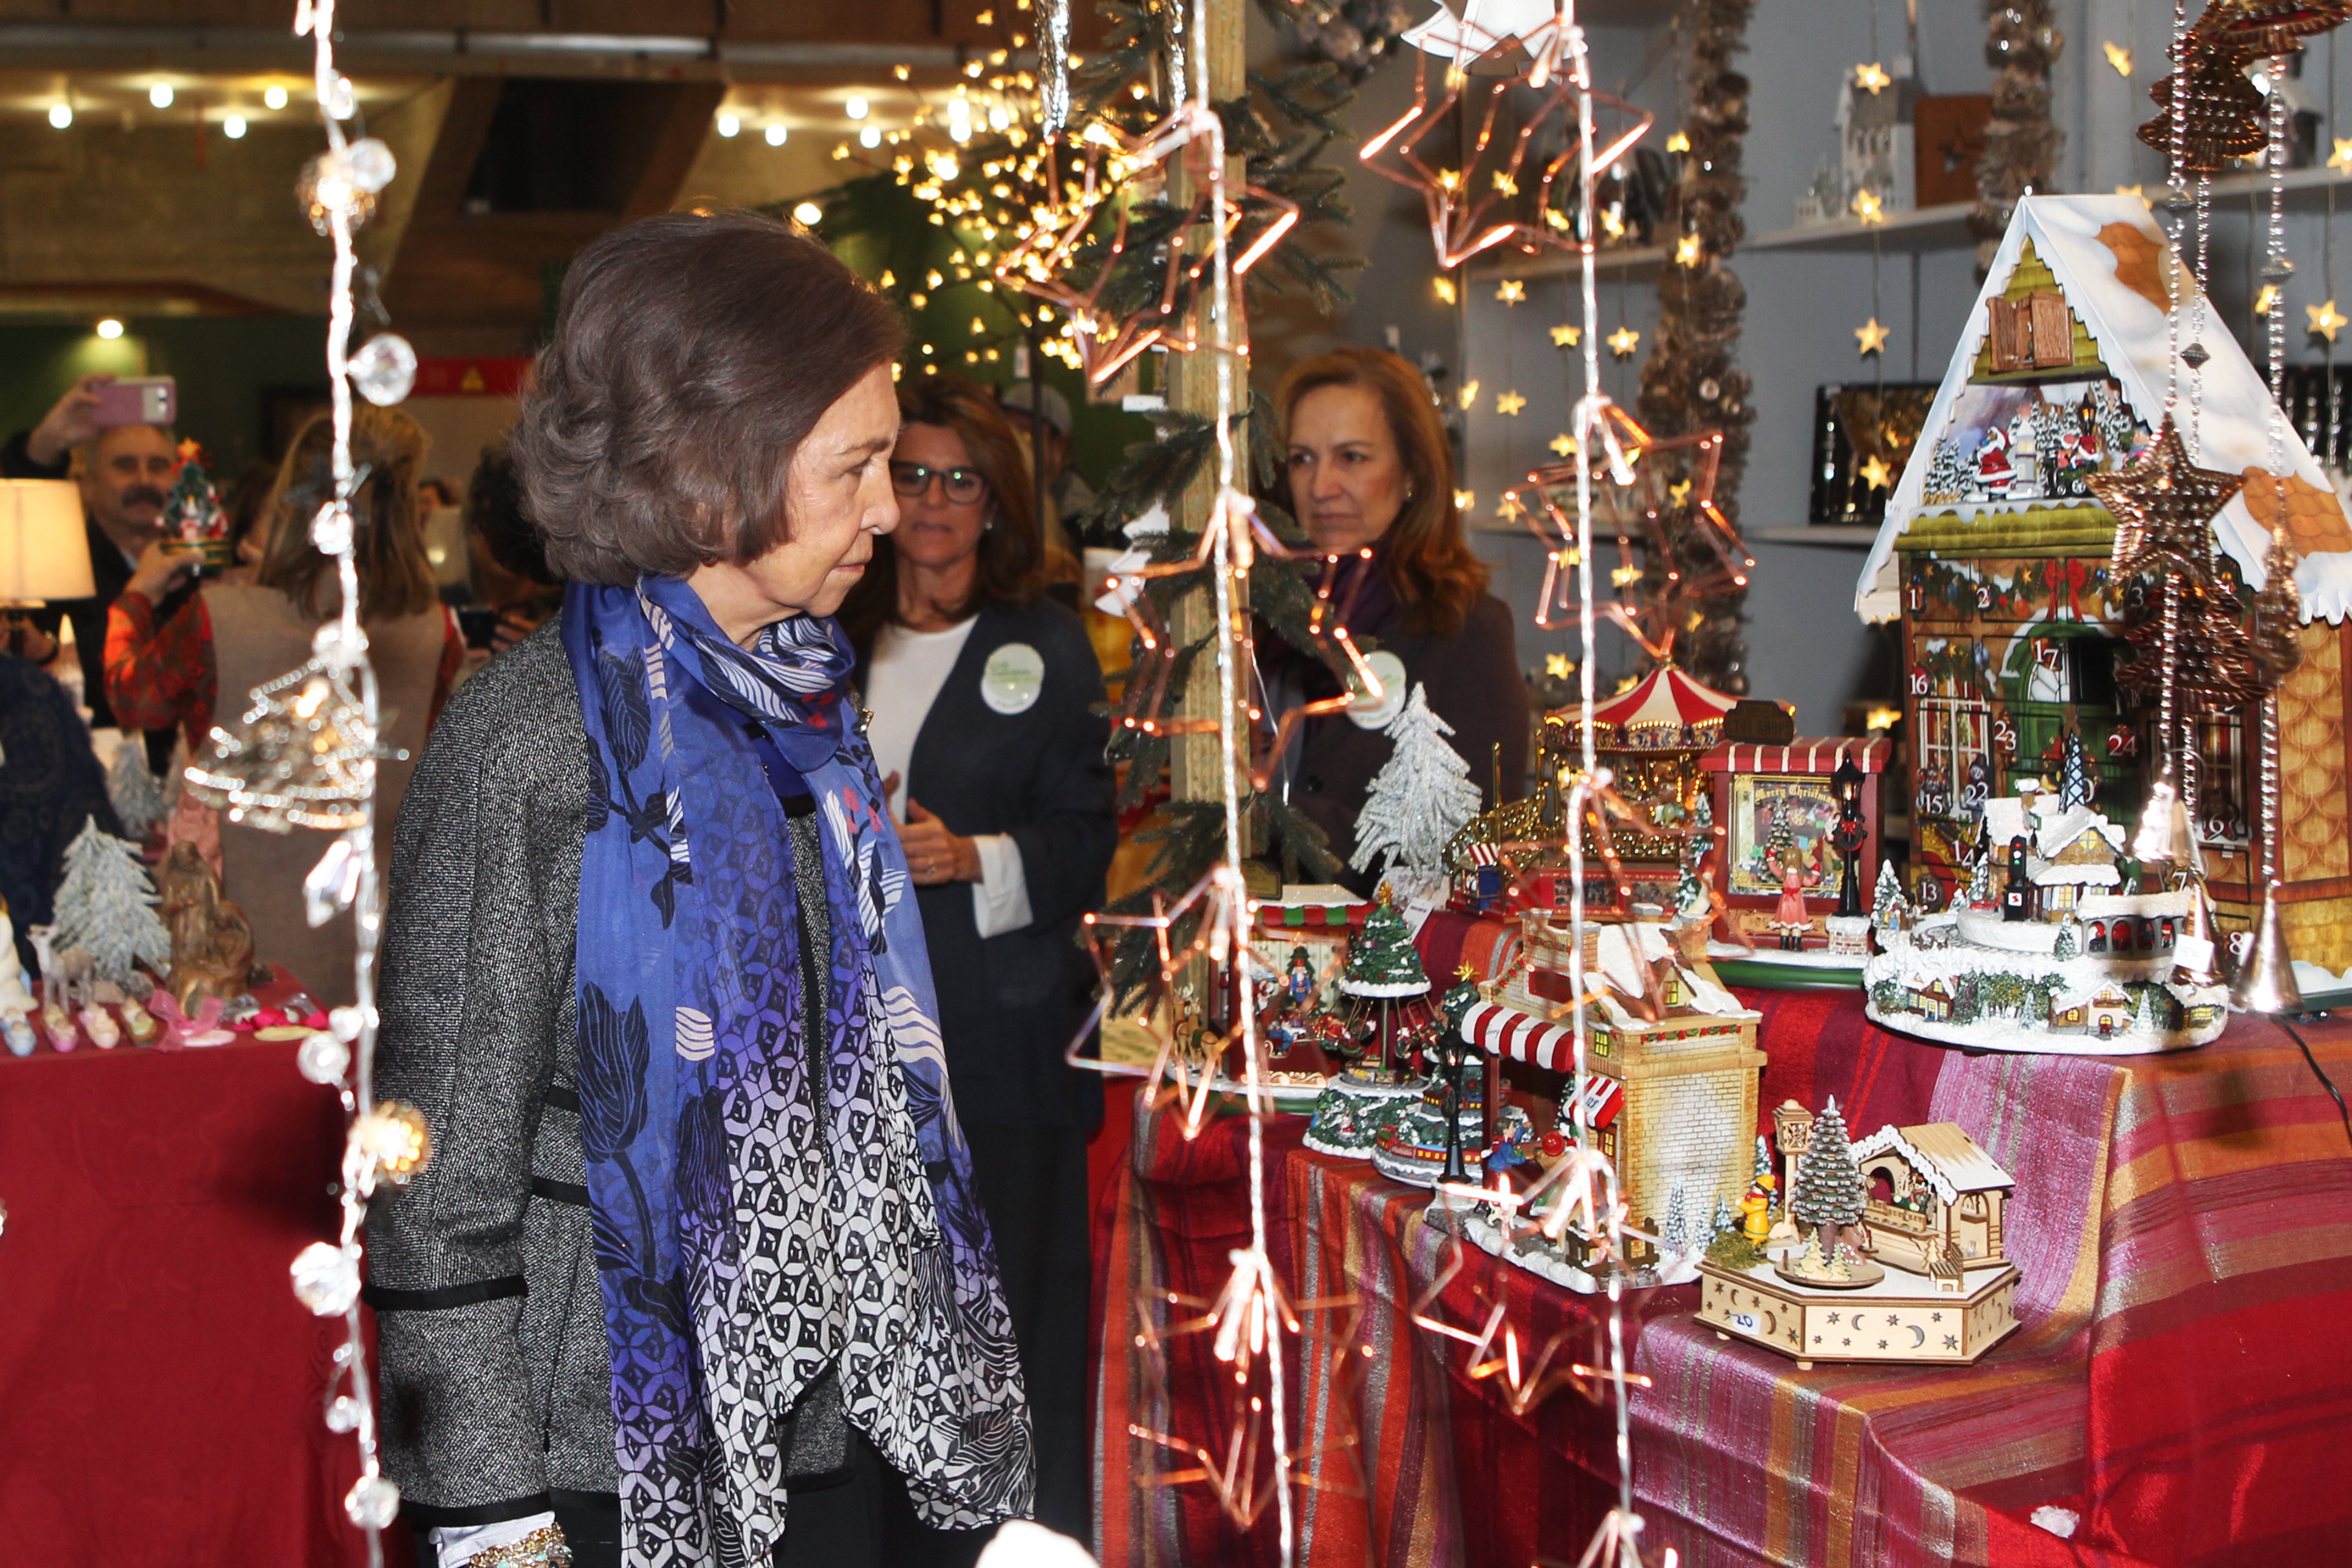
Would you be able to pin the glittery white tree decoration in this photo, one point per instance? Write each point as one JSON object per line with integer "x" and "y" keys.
{"x": 1421, "y": 797}
{"x": 106, "y": 906}
{"x": 137, "y": 794}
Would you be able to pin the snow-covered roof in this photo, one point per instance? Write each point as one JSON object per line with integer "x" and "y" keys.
{"x": 1943, "y": 1153}
{"x": 2114, "y": 267}
{"x": 2049, "y": 830}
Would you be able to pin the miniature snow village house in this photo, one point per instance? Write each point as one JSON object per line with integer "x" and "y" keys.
{"x": 2043, "y": 953}
{"x": 1783, "y": 810}
{"x": 1672, "y": 1058}
{"x": 1998, "y": 560}
{"x": 1939, "y": 1287}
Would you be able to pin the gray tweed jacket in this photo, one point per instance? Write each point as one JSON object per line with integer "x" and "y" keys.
{"x": 493, "y": 1365}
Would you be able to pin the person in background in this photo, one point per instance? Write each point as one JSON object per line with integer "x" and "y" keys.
{"x": 1369, "y": 465}
{"x": 437, "y": 495}
{"x": 983, "y": 694}
{"x": 51, "y": 787}
{"x": 124, "y": 471}
{"x": 507, "y": 563}
{"x": 247, "y": 505}
{"x": 1042, "y": 415}
{"x": 185, "y": 670}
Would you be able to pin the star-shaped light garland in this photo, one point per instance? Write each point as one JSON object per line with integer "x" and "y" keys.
{"x": 2119, "y": 56}
{"x": 1509, "y": 404}
{"x": 2325, "y": 320}
{"x": 1871, "y": 336}
{"x": 1511, "y": 291}
{"x": 1623, "y": 342}
{"x": 1872, "y": 78}
{"x": 1876, "y": 474}
{"x": 1566, "y": 336}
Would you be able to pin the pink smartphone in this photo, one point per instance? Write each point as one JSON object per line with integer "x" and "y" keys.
{"x": 137, "y": 400}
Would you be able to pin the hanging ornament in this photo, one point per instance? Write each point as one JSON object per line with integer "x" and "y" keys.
{"x": 1509, "y": 404}
{"x": 1623, "y": 342}
{"x": 2164, "y": 504}
{"x": 2119, "y": 57}
{"x": 1871, "y": 336}
{"x": 384, "y": 369}
{"x": 2325, "y": 320}
{"x": 304, "y": 754}
{"x": 1872, "y": 78}
{"x": 2220, "y": 112}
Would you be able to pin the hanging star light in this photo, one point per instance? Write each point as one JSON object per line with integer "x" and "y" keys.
{"x": 1511, "y": 291}
{"x": 2119, "y": 56}
{"x": 1872, "y": 78}
{"x": 2325, "y": 320}
{"x": 1509, "y": 404}
{"x": 1876, "y": 474}
{"x": 1871, "y": 336}
{"x": 1867, "y": 206}
{"x": 2267, "y": 298}
{"x": 1563, "y": 443}
{"x": 1446, "y": 294}
{"x": 1508, "y": 509}
{"x": 1623, "y": 342}
{"x": 1688, "y": 251}
{"x": 1558, "y": 666}
{"x": 2340, "y": 159}
{"x": 1565, "y": 337}
{"x": 1678, "y": 143}
{"x": 1468, "y": 209}
{"x": 1468, "y": 396}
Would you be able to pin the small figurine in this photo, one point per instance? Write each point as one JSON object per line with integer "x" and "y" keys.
{"x": 104, "y": 1031}
{"x": 212, "y": 941}
{"x": 1789, "y": 917}
{"x": 18, "y": 1031}
{"x": 14, "y": 996}
{"x": 58, "y": 1025}
{"x": 138, "y": 1023}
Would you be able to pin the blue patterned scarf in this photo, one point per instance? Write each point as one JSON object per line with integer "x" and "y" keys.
{"x": 760, "y": 1221}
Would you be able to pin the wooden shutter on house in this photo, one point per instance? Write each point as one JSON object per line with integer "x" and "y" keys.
{"x": 2012, "y": 335}
{"x": 2052, "y": 332}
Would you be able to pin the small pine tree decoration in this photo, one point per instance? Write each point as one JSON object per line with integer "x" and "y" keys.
{"x": 2075, "y": 784}
{"x": 137, "y": 794}
{"x": 192, "y": 509}
{"x": 1724, "y": 1219}
{"x": 1420, "y": 799}
{"x": 1829, "y": 1191}
{"x": 1981, "y": 883}
{"x": 1691, "y": 900}
{"x": 2064, "y": 949}
{"x": 1382, "y": 961}
{"x": 1676, "y": 1233}
{"x": 1890, "y": 910}
{"x": 107, "y": 905}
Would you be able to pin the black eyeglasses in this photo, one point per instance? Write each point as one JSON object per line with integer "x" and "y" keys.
{"x": 911, "y": 479}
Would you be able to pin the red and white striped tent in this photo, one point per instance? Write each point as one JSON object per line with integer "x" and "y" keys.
{"x": 1668, "y": 709}
{"x": 1499, "y": 1030}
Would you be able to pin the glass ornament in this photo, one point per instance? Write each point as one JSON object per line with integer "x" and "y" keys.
{"x": 330, "y": 531}
{"x": 325, "y": 188}
{"x": 384, "y": 369}
{"x": 343, "y": 100}
{"x": 372, "y": 1502}
{"x": 327, "y": 1278}
{"x": 369, "y": 162}
{"x": 323, "y": 1059}
{"x": 332, "y": 884}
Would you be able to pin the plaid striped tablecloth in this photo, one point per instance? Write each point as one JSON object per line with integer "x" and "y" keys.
{"x": 2183, "y": 1229}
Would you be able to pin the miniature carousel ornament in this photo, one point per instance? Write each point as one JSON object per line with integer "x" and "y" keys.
{"x": 1386, "y": 1012}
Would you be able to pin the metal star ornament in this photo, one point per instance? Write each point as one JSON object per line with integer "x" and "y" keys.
{"x": 2325, "y": 320}
{"x": 1872, "y": 78}
{"x": 1623, "y": 342}
{"x": 1872, "y": 337}
{"x": 2164, "y": 504}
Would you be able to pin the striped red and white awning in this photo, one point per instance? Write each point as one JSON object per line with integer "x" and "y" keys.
{"x": 1506, "y": 1031}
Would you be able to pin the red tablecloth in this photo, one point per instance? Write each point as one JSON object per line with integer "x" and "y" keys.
{"x": 2183, "y": 1229}
{"x": 160, "y": 1386}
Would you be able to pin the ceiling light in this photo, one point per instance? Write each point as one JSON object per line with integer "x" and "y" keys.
{"x": 870, "y": 136}
{"x": 233, "y": 127}
{"x": 729, "y": 124}
{"x": 60, "y": 115}
{"x": 854, "y": 107}
{"x": 807, "y": 214}
{"x": 159, "y": 95}
{"x": 777, "y": 135}
{"x": 109, "y": 328}
{"x": 274, "y": 96}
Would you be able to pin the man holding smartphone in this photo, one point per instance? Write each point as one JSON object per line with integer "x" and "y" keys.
{"x": 125, "y": 473}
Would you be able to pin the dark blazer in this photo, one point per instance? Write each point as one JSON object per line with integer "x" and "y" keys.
{"x": 1474, "y": 685}
{"x": 1010, "y": 1005}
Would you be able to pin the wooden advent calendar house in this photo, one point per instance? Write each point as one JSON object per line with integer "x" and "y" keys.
{"x": 1996, "y": 556}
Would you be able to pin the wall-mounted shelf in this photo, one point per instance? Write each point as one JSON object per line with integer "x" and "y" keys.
{"x": 1559, "y": 263}
{"x": 1922, "y": 228}
{"x": 1843, "y": 535}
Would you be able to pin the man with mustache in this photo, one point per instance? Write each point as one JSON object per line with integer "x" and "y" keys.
{"x": 123, "y": 475}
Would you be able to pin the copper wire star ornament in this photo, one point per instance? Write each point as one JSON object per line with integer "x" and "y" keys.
{"x": 1247, "y": 1321}
{"x": 2221, "y": 111}
{"x": 1493, "y": 200}
{"x": 1065, "y": 238}
{"x": 2164, "y": 506}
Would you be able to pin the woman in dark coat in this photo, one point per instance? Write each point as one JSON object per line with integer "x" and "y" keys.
{"x": 983, "y": 694}
{"x": 1369, "y": 465}
{"x": 696, "y": 1277}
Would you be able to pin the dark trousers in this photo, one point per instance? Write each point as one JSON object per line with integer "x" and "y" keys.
{"x": 865, "y": 1522}
{"x": 1032, "y": 1187}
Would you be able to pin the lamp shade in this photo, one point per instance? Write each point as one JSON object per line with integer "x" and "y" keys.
{"x": 44, "y": 548}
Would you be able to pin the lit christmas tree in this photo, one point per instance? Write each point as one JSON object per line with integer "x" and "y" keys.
{"x": 1829, "y": 1191}
{"x": 1420, "y": 799}
{"x": 1382, "y": 961}
{"x": 106, "y": 905}
{"x": 137, "y": 794}
{"x": 192, "y": 509}
{"x": 2075, "y": 784}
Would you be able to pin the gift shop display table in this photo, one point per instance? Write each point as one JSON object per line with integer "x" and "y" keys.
{"x": 160, "y": 1386}
{"x": 2177, "y": 1388}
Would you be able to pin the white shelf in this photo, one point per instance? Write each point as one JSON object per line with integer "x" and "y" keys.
{"x": 1558, "y": 263}
{"x": 1922, "y": 228}
{"x": 1842, "y": 536}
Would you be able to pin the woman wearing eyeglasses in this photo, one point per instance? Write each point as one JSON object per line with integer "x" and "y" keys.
{"x": 983, "y": 694}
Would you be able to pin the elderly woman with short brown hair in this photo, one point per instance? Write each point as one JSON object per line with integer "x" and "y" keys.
{"x": 697, "y": 1275}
